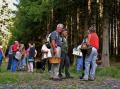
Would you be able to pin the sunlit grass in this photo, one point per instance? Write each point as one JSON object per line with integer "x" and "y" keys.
{"x": 37, "y": 78}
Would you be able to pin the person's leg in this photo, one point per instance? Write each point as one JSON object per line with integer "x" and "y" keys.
{"x": 28, "y": 66}
{"x": 87, "y": 66}
{"x": 9, "y": 62}
{"x": 0, "y": 64}
{"x": 93, "y": 64}
{"x": 84, "y": 52}
{"x": 49, "y": 67}
{"x": 24, "y": 61}
{"x": 52, "y": 71}
{"x": 61, "y": 64}
{"x": 14, "y": 65}
{"x": 56, "y": 70}
{"x": 31, "y": 66}
{"x": 57, "y": 66}
{"x": 78, "y": 64}
{"x": 20, "y": 64}
{"x": 44, "y": 63}
{"x": 67, "y": 65}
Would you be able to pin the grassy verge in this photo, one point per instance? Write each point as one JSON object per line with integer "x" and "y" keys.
{"x": 36, "y": 79}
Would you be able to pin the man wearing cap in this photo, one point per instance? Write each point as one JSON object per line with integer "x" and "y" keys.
{"x": 56, "y": 50}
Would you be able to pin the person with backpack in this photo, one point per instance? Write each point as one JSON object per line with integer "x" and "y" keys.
{"x": 56, "y": 44}
{"x": 2, "y": 55}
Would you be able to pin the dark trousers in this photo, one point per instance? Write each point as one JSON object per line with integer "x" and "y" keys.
{"x": 65, "y": 62}
{"x": 84, "y": 55}
{"x": 10, "y": 62}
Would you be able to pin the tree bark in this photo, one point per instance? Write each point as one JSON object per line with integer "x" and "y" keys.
{"x": 105, "y": 47}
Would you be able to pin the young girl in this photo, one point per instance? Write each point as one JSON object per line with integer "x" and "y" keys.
{"x": 31, "y": 57}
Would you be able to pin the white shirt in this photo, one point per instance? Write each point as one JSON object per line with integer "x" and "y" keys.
{"x": 46, "y": 53}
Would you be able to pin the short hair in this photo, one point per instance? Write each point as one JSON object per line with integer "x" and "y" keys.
{"x": 60, "y": 25}
{"x": 31, "y": 43}
{"x": 92, "y": 28}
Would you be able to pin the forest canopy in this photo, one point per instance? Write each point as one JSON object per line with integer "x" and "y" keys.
{"x": 36, "y": 18}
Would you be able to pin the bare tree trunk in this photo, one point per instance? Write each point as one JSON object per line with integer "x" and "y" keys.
{"x": 105, "y": 47}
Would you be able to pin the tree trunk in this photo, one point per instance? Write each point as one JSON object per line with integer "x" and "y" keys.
{"x": 105, "y": 47}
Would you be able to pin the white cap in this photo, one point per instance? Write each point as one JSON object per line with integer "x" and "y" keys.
{"x": 60, "y": 26}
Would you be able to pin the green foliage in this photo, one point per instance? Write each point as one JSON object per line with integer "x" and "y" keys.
{"x": 30, "y": 18}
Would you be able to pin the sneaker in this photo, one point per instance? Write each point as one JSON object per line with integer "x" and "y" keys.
{"x": 91, "y": 79}
{"x": 60, "y": 75}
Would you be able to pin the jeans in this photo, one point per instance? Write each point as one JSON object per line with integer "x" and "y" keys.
{"x": 14, "y": 65}
{"x": 79, "y": 63}
{"x": 55, "y": 67}
{"x": 24, "y": 63}
{"x": 65, "y": 63}
{"x": 10, "y": 62}
{"x": 90, "y": 61}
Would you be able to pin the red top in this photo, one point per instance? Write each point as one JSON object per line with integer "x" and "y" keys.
{"x": 15, "y": 48}
{"x": 93, "y": 40}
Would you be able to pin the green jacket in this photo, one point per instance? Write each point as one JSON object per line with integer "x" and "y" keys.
{"x": 64, "y": 46}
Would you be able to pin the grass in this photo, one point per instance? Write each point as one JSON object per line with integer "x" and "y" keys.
{"x": 36, "y": 79}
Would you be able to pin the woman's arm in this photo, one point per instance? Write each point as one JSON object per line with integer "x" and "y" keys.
{"x": 2, "y": 52}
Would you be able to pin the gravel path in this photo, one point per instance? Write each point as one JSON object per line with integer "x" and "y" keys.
{"x": 68, "y": 84}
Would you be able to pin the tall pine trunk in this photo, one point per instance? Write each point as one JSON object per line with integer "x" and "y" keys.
{"x": 105, "y": 25}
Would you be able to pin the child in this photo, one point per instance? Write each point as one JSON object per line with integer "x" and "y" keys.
{"x": 79, "y": 61}
{"x": 31, "y": 57}
{"x": 46, "y": 53}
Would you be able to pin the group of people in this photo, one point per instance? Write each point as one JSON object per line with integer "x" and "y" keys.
{"x": 19, "y": 58}
{"x": 57, "y": 46}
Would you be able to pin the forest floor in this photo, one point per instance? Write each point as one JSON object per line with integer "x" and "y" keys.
{"x": 106, "y": 78}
